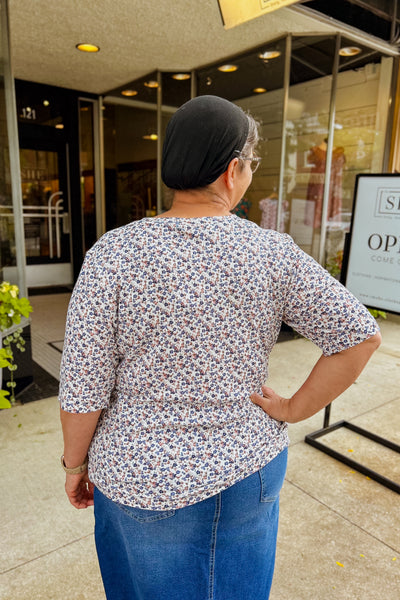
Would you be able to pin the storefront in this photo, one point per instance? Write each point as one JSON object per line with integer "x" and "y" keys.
{"x": 82, "y": 164}
{"x": 324, "y": 106}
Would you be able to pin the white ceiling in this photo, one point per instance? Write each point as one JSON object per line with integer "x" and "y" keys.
{"x": 135, "y": 37}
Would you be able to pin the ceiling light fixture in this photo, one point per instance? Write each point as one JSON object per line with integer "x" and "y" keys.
{"x": 59, "y": 126}
{"x": 129, "y": 92}
{"x": 181, "y": 76}
{"x": 228, "y": 68}
{"x": 350, "y": 51}
{"x": 259, "y": 90}
{"x": 151, "y": 84}
{"x": 46, "y": 103}
{"x": 269, "y": 54}
{"x": 151, "y": 136}
{"x": 87, "y": 47}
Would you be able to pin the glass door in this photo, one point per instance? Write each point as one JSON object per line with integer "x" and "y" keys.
{"x": 46, "y": 217}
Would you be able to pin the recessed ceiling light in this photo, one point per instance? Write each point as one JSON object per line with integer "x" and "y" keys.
{"x": 87, "y": 47}
{"x": 46, "y": 103}
{"x": 59, "y": 126}
{"x": 181, "y": 76}
{"x": 151, "y": 136}
{"x": 228, "y": 68}
{"x": 151, "y": 84}
{"x": 259, "y": 90}
{"x": 269, "y": 54}
{"x": 350, "y": 51}
{"x": 129, "y": 92}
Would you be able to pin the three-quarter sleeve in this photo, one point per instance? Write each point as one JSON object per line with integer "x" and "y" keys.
{"x": 90, "y": 355}
{"x": 320, "y": 308}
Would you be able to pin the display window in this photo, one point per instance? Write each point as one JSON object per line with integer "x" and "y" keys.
{"x": 322, "y": 103}
{"x": 135, "y": 117}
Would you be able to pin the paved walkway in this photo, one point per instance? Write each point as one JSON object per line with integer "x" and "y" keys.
{"x": 339, "y": 535}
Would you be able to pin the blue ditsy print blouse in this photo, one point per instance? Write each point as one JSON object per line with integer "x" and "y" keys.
{"x": 169, "y": 331}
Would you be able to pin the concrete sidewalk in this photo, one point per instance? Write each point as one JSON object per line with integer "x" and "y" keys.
{"x": 339, "y": 535}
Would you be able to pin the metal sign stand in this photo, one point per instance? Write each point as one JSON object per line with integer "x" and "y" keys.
{"x": 313, "y": 438}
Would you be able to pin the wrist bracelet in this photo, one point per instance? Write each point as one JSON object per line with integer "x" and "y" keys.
{"x": 75, "y": 470}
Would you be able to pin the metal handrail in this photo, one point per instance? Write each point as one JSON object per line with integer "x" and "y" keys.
{"x": 50, "y": 221}
{"x": 58, "y": 207}
{"x": 51, "y": 210}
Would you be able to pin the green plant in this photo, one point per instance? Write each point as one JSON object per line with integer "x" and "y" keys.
{"x": 4, "y": 403}
{"x": 377, "y": 313}
{"x": 12, "y": 308}
{"x": 334, "y": 264}
{"x": 4, "y": 362}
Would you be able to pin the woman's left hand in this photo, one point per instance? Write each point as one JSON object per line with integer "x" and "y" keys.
{"x": 79, "y": 490}
{"x": 275, "y": 406}
{"x": 330, "y": 377}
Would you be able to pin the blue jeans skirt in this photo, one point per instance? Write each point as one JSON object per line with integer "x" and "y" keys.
{"x": 222, "y": 548}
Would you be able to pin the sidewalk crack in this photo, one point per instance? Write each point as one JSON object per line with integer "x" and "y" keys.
{"x": 339, "y": 514}
{"x": 46, "y": 554}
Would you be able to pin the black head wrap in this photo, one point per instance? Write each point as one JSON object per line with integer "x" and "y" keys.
{"x": 200, "y": 141}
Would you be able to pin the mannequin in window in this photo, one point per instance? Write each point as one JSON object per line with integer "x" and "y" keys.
{"x": 315, "y": 190}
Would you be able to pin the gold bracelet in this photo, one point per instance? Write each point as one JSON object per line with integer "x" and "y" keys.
{"x": 75, "y": 470}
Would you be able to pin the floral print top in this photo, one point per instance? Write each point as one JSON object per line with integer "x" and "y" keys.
{"x": 169, "y": 330}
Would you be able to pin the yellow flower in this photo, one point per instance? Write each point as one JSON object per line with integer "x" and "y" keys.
{"x": 14, "y": 291}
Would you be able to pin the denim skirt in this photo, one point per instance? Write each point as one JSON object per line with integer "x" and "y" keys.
{"x": 222, "y": 548}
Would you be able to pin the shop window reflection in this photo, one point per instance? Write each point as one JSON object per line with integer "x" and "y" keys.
{"x": 256, "y": 83}
{"x": 256, "y": 86}
{"x": 143, "y": 90}
{"x": 130, "y": 151}
{"x": 363, "y": 87}
{"x": 362, "y": 100}
{"x": 175, "y": 91}
{"x": 86, "y": 151}
{"x": 130, "y": 159}
{"x": 260, "y": 68}
{"x": 131, "y": 139}
{"x": 307, "y": 122}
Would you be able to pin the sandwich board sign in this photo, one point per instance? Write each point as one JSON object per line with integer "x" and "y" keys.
{"x": 372, "y": 260}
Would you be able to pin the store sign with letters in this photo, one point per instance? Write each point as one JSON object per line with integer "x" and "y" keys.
{"x": 373, "y": 267}
{"x": 235, "y": 12}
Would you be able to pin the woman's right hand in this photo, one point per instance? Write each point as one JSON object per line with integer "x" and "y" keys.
{"x": 79, "y": 490}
